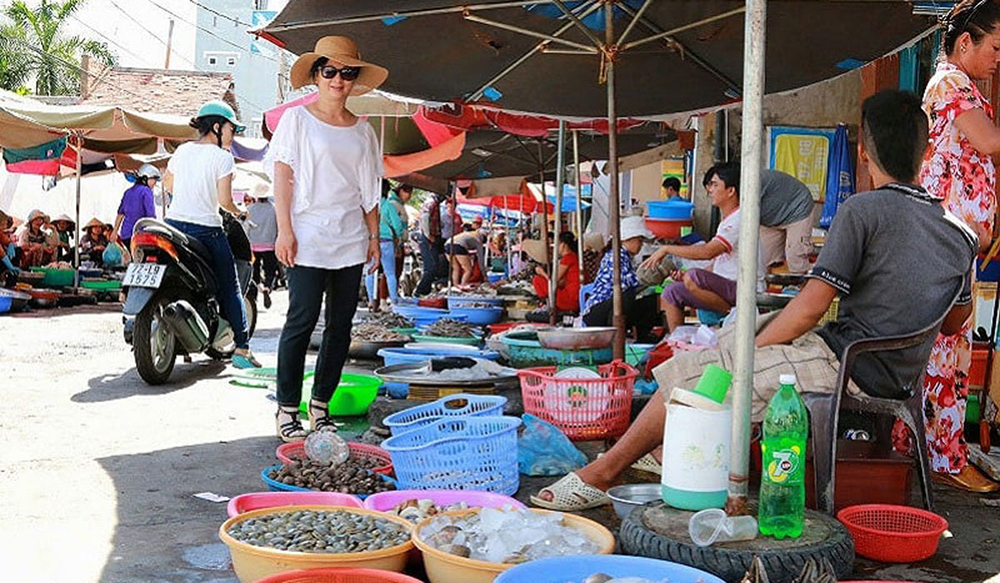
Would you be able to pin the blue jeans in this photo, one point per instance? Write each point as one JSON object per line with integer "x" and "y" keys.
{"x": 228, "y": 292}
{"x": 388, "y": 268}
{"x": 306, "y": 288}
{"x": 429, "y": 253}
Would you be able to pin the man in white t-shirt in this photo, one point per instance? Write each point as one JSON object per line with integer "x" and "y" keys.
{"x": 715, "y": 288}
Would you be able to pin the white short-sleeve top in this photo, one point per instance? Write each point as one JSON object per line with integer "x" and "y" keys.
{"x": 336, "y": 176}
{"x": 197, "y": 168}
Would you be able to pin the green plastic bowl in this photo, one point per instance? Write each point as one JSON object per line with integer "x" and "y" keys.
{"x": 469, "y": 341}
{"x": 405, "y": 331}
{"x": 353, "y": 396}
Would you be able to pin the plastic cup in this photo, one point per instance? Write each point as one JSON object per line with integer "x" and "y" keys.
{"x": 712, "y": 525}
{"x": 714, "y": 383}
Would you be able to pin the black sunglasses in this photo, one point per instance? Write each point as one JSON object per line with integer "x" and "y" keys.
{"x": 346, "y": 73}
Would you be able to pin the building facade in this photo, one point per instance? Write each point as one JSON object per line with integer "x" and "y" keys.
{"x": 223, "y": 44}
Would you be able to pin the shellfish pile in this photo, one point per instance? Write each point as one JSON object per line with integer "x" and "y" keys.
{"x": 320, "y": 531}
{"x": 349, "y": 477}
{"x": 417, "y": 510}
{"x": 450, "y": 328}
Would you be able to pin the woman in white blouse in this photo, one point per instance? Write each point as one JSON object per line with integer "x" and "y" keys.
{"x": 326, "y": 168}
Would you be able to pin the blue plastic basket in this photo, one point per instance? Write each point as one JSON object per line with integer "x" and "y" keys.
{"x": 672, "y": 209}
{"x": 579, "y": 567}
{"x": 477, "y": 316}
{"x": 5, "y": 304}
{"x": 276, "y": 486}
{"x": 458, "y": 405}
{"x": 464, "y": 453}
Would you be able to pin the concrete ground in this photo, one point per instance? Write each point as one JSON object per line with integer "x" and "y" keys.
{"x": 98, "y": 471}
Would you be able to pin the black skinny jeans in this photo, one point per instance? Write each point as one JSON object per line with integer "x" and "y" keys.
{"x": 269, "y": 262}
{"x": 643, "y": 313}
{"x": 306, "y": 286}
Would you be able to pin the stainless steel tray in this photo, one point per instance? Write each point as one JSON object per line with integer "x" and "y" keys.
{"x": 406, "y": 373}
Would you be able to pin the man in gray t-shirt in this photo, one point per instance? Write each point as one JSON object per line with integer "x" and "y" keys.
{"x": 786, "y": 206}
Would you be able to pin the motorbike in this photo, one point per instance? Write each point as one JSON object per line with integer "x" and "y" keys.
{"x": 171, "y": 307}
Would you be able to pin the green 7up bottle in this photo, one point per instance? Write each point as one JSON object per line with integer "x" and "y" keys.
{"x": 781, "y": 512}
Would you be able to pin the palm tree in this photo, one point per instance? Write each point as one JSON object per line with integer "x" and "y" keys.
{"x": 32, "y": 45}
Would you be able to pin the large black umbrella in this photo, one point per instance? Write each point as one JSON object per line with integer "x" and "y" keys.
{"x": 495, "y": 154}
{"x": 530, "y": 56}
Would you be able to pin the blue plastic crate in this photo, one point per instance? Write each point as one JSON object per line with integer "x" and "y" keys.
{"x": 457, "y": 405}
{"x": 462, "y": 453}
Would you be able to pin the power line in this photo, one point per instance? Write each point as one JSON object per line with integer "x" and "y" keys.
{"x": 217, "y": 13}
{"x": 74, "y": 66}
{"x": 164, "y": 43}
{"x": 158, "y": 38}
{"x": 210, "y": 33}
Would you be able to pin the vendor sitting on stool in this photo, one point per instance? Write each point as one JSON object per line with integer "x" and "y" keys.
{"x": 873, "y": 245}
{"x": 93, "y": 242}
{"x": 36, "y": 242}
{"x": 642, "y": 313}
{"x": 8, "y": 264}
{"x": 568, "y": 288}
{"x": 699, "y": 288}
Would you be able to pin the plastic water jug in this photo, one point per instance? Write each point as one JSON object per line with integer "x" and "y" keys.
{"x": 696, "y": 442}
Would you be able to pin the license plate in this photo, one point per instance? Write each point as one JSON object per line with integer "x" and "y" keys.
{"x": 144, "y": 275}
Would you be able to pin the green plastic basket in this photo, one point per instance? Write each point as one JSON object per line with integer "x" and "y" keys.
{"x": 102, "y": 285}
{"x": 469, "y": 341}
{"x": 56, "y": 277}
{"x": 353, "y": 396}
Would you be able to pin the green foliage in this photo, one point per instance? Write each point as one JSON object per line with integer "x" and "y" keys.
{"x": 33, "y": 47}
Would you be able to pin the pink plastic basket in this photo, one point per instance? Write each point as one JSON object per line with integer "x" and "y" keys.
{"x": 386, "y": 501}
{"x": 257, "y": 500}
{"x": 583, "y": 409}
{"x": 290, "y": 453}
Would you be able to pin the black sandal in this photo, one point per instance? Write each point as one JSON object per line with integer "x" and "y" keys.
{"x": 319, "y": 416}
{"x": 289, "y": 425}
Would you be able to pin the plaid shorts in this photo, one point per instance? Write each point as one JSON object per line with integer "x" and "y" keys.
{"x": 808, "y": 357}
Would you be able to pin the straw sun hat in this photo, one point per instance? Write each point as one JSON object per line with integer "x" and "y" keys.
{"x": 342, "y": 50}
{"x": 536, "y": 249}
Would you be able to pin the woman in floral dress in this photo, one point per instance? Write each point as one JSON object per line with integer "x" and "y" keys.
{"x": 958, "y": 168}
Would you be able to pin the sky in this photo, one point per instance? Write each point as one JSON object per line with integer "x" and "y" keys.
{"x": 137, "y": 30}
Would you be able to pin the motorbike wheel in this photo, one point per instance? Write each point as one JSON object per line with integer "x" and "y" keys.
{"x": 155, "y": 346}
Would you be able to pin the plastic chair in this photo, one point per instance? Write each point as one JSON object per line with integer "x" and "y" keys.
{"x": 824, "y": 413}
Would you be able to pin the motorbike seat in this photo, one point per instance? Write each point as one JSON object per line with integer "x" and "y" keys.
{"x": 186, "y": 240}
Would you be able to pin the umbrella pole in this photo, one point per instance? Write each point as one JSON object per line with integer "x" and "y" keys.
{"x": 451, "y": 247}
{"x": 76, "y": 251}
{"x": 746, "y": 287}
{"x": 560, "y": 180}
{"x": 618, "y": 315}
{"x": 579, "y": 205}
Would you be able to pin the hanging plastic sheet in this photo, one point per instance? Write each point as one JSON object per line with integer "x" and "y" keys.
{"x": 840, "y": 176}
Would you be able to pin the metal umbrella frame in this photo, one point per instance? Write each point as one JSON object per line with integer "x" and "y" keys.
{"x": 573, "y": 39}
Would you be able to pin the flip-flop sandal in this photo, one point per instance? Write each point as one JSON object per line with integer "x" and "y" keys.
{"x": 648, "y": 463}
{"x": 243, "y": 361}
{"x": 570, "y": 494}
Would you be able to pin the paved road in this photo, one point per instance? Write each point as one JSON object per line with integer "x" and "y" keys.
{"x": 97, "y": 469}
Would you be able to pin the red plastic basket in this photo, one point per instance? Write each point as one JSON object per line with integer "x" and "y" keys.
{"x": 290, "y": 453}
{"x": 893, "y": 534}
{"x": 583, "y": 409}
{"x": 333, "y": 575}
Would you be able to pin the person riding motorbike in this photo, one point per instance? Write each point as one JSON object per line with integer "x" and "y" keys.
{"x": 137, "y": 203}
{"x": 200, "y": 176}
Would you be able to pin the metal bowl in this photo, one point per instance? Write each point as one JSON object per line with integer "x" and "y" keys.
{"x": 576, "y": 338}
{"x": 364, "y": 350}
{"x": 628, "y": 497}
